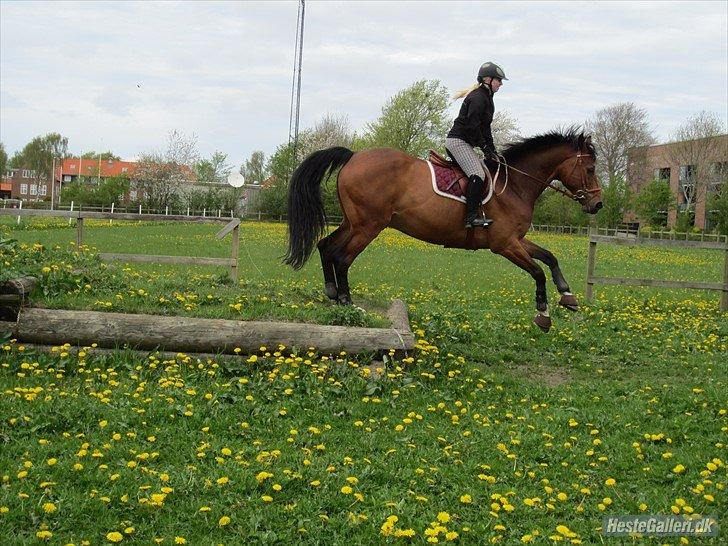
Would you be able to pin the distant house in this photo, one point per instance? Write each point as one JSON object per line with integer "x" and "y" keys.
{"x": 6, "y": 187}
{"x": 73, "y": 167}
{"x": 94, "y": 171}
{"x": 251, "y": 192}
{"x": 694, "y": 170}
{"x": 24, "y": 185}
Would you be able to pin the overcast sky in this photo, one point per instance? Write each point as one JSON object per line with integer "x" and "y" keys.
{"x": 120, "y": 75}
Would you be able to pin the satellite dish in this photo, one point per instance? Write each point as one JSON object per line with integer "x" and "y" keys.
{"x": 235, "y": 180}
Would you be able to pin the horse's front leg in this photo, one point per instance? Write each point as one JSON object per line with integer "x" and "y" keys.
{"x": 517, "y": 254}
{"x": 567, "y": 298}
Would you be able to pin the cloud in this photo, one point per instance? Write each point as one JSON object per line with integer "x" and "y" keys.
{"x": 130, "y": 72}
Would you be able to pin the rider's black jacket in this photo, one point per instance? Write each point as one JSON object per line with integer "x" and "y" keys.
{"x": 473, "y": 122}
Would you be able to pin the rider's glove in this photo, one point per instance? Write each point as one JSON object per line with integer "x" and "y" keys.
{"x": 490, "y": 155}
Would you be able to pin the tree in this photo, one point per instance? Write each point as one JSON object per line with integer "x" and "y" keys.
{"x": 161, "y": 173}
{"x": 695, "y": 149}
{"x": 39, "y": 153}
{"x": 719, "y": 208}
{"x": 504, "y": 128}
{"x": 554, "y": 209}
{"x": 616, "y": 129}
{"x": 273, "y": 199}
{"x": 16, "y": 161}
{"x": 653, "y": 202}
{"x": 413, "y": 120}
{"x": 615, "y": 197}
{"x": 103, "y": 156}
{"x": 107, "y": 191}
{"x": 213, "y": 171}
{"x": 254, "y": 170}
{"x": 3, "y": 159}
{"x": 331, "y": 130}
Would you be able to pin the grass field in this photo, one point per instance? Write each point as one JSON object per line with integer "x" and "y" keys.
{"x": 492, "y": 432}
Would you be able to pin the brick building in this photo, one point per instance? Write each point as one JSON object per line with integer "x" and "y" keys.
{"x": 23, "y": 184}
{"x": 694, "y": 170}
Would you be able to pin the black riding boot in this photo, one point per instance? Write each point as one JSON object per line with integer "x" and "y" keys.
{"x": 474, "y": 196}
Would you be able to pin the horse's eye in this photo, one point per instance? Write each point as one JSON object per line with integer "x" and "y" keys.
{"x": 590, "y": 170}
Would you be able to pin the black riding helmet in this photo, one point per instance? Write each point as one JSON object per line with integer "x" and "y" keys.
{"x": 492, "y": 70}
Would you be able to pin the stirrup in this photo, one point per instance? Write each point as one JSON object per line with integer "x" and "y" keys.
{"x": 478, "y": 222}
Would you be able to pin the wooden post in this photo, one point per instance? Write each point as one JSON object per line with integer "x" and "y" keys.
{"x": 79, "y": 232}
{"x": 724, "y": 294}
{"x": 234, "y": 254}
{"x": 590, "y": 266}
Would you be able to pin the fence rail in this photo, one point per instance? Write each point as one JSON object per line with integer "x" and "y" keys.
{"x": 620, "y": 239}
{"x": 159, "y": 214}
{"x": 232, "y": 225}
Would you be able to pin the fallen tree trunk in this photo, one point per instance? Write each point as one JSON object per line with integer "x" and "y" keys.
{"x": 198, "y": 335}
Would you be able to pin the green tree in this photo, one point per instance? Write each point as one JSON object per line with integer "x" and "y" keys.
{"x": 718, "y": 205}
{"x": 107, "y": 191}
{"x": 615, "y": 197}
{"x": 214, "y": 170}
{"x": 553, "y": 209}
{"x": 254, "y": 170}
{"x": 16, "y": 161}
{"x": 39, "y": 153}
{"x": 414, "y": 120}
{"x": 3, "y": 159}
{"x": 103, "y": 156}
{"x": 653, "y": 201}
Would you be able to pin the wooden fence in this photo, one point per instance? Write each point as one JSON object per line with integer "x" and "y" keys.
{"x": 232, "y": 225}
{"x": 621, "y": 238}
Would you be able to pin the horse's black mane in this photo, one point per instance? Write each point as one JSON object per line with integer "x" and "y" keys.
{"x": 573, "y": 136}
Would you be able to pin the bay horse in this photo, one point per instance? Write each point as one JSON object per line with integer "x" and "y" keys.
{"x": 384, "y": 187}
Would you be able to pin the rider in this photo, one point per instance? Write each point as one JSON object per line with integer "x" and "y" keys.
{"x": 470, "y": 130}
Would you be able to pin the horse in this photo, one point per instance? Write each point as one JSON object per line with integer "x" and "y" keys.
{"x": 384, "y": 187}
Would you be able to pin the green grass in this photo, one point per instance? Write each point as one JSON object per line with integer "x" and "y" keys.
{"x": 627, "y": 389}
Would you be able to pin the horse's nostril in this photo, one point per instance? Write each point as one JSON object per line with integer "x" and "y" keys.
{"x": 598, "y": 206}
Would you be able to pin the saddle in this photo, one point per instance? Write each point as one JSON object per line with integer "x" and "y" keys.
{"x": 455, "y": 176}
{"x": 449, "y": 180}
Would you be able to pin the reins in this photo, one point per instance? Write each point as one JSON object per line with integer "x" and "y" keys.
{"x": 578, "y": 196}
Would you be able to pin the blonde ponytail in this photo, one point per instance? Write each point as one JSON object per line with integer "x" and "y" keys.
{"x": 464, "y": 92}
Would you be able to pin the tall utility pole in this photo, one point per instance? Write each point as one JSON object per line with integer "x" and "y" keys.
{"x": 296, "y": 84}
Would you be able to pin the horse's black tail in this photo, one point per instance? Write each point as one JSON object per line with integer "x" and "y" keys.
{"x": 306, "y": 216}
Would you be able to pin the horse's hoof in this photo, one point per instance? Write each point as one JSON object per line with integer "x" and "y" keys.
{"x": 331, "y": 291}
{"x": 543, "y": 322}
{"x": 344, "y": 299}
{"x": 569, "y": 301}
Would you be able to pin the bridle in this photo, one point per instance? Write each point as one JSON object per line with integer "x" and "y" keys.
{"x": 580, "y": 196}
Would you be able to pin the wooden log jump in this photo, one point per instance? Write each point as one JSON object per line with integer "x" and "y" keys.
{"x": 199, "y": 335}
{"x": 592, "y": 280}
{"x": 13, "y": 295}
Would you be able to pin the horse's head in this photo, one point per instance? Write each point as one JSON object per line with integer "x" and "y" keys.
{"x": 577, "y": 172}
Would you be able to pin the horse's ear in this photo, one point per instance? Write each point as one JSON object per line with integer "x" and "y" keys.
{"x": 588, "y": 140}
{"x": 580, "y": 141}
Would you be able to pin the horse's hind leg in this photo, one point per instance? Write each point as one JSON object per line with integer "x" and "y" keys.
{"x": 567, "y": 298}
{"x": 326, "y": 247}
{"x": 356, "y": 240}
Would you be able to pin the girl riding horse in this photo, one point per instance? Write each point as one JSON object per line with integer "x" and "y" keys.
{"x": 471, "y": 129}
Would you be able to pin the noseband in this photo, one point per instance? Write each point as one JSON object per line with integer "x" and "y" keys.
{"x": 580, "y": 196}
